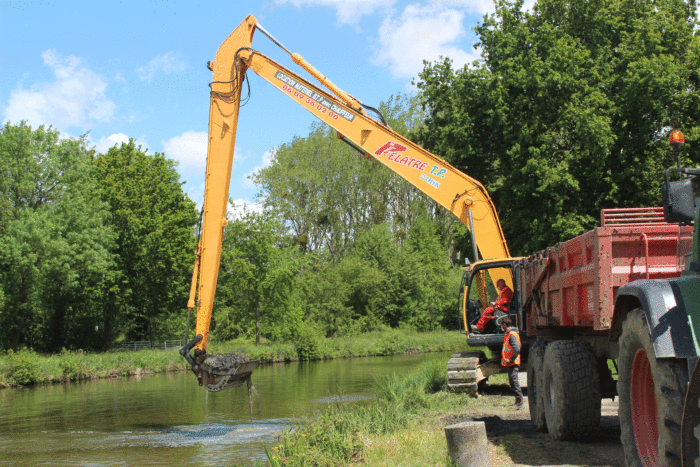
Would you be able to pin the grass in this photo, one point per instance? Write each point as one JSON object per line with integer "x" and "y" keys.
{"x": 380, "y": 343}
{"x": 404, "y": 427}
{"x": 388, "y": 431}
{"x": 407, "y": 447}
{"x": 28, "y": 368}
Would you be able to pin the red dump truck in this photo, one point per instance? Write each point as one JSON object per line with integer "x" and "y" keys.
{"x": 582, "y": 307}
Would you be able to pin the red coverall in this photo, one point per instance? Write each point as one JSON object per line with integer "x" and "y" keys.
{"x": 501, "y": 303}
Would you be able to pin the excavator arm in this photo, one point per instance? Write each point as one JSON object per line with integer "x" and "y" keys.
{"x": 460, "y": 194}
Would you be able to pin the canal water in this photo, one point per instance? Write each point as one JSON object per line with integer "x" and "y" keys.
{"x": 167, "y": 419}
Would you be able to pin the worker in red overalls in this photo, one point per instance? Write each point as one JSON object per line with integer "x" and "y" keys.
{"x": 510, "y": 358}
{"x": 504, "y": 297}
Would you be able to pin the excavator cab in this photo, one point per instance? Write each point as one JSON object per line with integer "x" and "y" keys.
{"x": 468, "y": 371}
{"x": 479, "y": 289}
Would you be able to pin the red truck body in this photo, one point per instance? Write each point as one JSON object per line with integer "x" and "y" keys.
{"x": 574, "y": 282}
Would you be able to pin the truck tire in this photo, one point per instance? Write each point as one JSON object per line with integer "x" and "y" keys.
{"x": 651, "y": 394}
{"x": 571, "y": 389}
{"x": 535, "y": 389}
{"x": 690, "y": 431}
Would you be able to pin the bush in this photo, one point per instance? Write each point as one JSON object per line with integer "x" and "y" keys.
{"x": 23, "y": 368}
{"x": 72, "y": 365}
{"x": 390, "y": 343}
{"x": 308, "y": 344}
{"x": 328, "y": 441}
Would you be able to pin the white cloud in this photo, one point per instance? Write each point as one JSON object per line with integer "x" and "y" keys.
{"x": 167, "y": 63}
{"x": 104, "y": 143}
{"x": 240, "y": 206}
{"x": 476, "y": 7}
{"x": 190, "y": 150}
{"x": 348, "y": 11}
{"x": 471, "y": 6}
{"x": 75, "y": 99}
{"x": 421, "y": 33}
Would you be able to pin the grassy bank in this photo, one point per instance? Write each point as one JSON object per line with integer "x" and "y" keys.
{"x": 27, "y": 368}
{"x": 390, "y": 431}
{"x": 405, "y": 425}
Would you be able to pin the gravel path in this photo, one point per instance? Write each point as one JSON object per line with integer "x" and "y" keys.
{"x": 513, "y": 440}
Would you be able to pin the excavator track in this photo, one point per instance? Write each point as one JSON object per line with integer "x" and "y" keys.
{"x": 463, "y": 373}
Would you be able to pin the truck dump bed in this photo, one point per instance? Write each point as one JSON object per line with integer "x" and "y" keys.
{"x": 573, "y": 284}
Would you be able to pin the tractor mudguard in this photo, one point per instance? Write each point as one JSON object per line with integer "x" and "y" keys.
{"x": 667, "y": 316}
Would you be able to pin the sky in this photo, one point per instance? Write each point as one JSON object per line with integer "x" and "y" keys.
{"x": 120, "y": 70}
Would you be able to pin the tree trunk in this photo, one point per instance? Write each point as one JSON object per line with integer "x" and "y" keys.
{"x": 110, "y": 318}
{"x": 15, "y": 339}
{"x": 257, "y": 322}
{"x": 20, "y": 321}
{"x": 151, "y": 332}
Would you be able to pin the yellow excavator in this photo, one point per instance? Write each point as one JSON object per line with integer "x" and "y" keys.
{"x": 460, "y": 194}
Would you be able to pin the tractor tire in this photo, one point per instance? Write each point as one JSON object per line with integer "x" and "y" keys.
{"x": 535, "y": 389}
{"x": 690, "y": 431}
{"x": 461, "y": 372}
{"x": 571, "y": 389}
{"x": 652, "y": 392}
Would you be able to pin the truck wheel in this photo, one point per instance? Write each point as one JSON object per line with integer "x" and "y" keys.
{"x": 690, "y": 433}
{"x": 651, "y": 394}
{"x": 571, "y": 389}
{"x": 535, "y": 391}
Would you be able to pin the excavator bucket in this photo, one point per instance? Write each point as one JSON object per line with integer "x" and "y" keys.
{"x": 226, "y": 370}
{"x": 220, "y": 371}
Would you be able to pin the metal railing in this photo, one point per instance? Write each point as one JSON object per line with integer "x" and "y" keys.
{"x": 620, "y": 217}
{"x": 143, "y": 345}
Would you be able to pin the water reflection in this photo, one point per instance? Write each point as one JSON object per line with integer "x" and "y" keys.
{"x": 169, "y": 419}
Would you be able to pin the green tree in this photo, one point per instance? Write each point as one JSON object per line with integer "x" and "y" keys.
{"x": 256, "y": 277}
{"x": 568, "y": 110}
{"x": 54, "y": 245}
{"x": 383, "y": 282}
{"x": 328, "y": 194}
{"x": 155, "y": 221}
{"x": 343, "y": 298}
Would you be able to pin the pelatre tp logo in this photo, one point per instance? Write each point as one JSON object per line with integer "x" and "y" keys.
{"x": 394, "y": 152}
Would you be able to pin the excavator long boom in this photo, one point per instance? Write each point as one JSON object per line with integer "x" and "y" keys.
{"x": 460, "y": 194}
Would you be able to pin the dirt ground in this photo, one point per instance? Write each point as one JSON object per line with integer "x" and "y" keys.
{"x": 513, "y": 440}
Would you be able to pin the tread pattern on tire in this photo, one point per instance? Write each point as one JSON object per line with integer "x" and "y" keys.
{"x": 571, "y": 389}
{"x": 535, "y": 386}
{"x": 670, "y": 379}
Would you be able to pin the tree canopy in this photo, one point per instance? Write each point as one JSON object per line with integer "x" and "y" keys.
{"x": 55, "y": 247}
{"x": 327, "y": 194}
{"x": 568, "y": 110}
{"x": 256, "y": 278}
{"x": 92, "y": 247}
{"x": 154, "y": 220}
